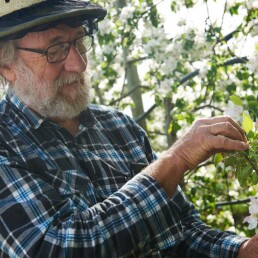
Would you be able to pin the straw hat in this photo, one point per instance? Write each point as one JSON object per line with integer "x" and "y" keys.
{"x": 18, "y": 17}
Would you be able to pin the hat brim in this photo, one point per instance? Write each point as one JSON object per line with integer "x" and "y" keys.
{"x": 19, "y": 23}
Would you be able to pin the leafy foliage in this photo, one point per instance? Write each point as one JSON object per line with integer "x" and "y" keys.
{"x": 244, "y": 164}
{"x": 194, "y": 71}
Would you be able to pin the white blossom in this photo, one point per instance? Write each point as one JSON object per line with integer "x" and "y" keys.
{"x": 106, "y": 27}
{"x": 253, "y": 60}
{"x": 152, "y": 44}
{"x": 165, "y": 87}
{"x": 233, "y": 193}
{"x": 168, "y": 65}
{"x": 199, "y": 202}
{"x": 253, "y": 210}
{"x": 221, "y": 165}
{"x": 211, "y": 217}
{"x": 252, "y": 4}
{"x": 203, "y": 67}
{"x": 181, "y": 21}
{"x": 108, "y": 49}
{"x": 127, "y": 13}
{"x": 235, "y": 111}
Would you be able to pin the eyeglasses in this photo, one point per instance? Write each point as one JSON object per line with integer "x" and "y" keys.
{"x": 59, "y": 52}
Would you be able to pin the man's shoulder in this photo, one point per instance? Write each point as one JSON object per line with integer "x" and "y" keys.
{"x": 109, "y": 115}
{"x": 3, "y": 109}
{"x": 7, "y": 117}
{"x": 101, "y": 110}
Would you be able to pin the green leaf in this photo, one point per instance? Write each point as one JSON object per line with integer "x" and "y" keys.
{"x": 236, "y": 100}
{"x": 189, "y": 3}
{"x": 254, "y": 178}
{"x": 234, "y": 9}
{"x": 229, "y": 161}
{"x": 173, "y": 6}
{"x": 174, "y": 127}
{"x": 218, "y": 158}
{"x": 154, "y": 17}
{"x": 247, "y": 123}
{"x": 253, "y": 107}
{"x": 243, "y": 175}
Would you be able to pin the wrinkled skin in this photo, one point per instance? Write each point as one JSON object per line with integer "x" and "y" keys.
{"x": 249, "y": 249}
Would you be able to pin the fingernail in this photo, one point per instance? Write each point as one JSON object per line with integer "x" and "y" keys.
{"x": 245, "y": 145}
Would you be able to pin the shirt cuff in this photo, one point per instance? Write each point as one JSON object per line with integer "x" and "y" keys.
{"x": 160, "y": 219}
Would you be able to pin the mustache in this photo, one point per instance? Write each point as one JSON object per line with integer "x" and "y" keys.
{"x": 67, "y": 79}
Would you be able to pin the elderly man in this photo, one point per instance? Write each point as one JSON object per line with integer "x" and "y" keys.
{"x": 79, "y": 180}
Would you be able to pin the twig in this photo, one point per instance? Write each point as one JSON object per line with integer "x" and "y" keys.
{"x": 251, "y": 163}
{"x": 219, "y": 204}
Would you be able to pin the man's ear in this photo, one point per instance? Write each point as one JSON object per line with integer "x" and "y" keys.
{"x": 8, "y": 72}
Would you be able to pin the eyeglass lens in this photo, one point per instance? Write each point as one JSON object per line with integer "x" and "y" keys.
{"x": 60, "y": 51}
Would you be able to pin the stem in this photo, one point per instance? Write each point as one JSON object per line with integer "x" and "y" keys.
{"x": 252, "y": 164}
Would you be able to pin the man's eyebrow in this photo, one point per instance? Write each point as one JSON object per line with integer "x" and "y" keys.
{"x": 55, "y": 40}
{"x": 81, "y": 32}
{"x": 60, "y": 38}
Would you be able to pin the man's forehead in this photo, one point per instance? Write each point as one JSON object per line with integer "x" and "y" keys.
{"x": 54, "y": 34}
{"x": 66, "y": 28}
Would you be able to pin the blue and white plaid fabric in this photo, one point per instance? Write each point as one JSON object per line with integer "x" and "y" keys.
{"x": 82, "y": 196}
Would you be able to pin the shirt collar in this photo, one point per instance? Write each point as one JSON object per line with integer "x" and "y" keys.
{"x": 87, "y": 118}
{"x": 34, "y": 120}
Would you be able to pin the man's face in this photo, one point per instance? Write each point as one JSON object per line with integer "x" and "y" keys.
{"x": 59, "y": 90}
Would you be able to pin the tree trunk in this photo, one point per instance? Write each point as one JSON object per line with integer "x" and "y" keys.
{"x": 132, "y": 78}
{"x": 171, "y": 136}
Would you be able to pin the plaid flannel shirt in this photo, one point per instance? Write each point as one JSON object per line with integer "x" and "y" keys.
{"x": 83, "y": 195}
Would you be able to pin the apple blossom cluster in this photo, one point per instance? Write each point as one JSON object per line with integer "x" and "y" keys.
{"x": 253, "y": 61}
{"x": 172, "y": 56}
{"x": 235, "y": 111}
{"x": 252, "y": 219}
{"x": 129, "y": 34}
{"x": 252, "y": 4}
{"x": 106, "y": 27}
{"x": 127, "y": 13}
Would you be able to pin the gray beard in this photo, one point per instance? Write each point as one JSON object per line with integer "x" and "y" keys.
{"x": 55, "y": 105}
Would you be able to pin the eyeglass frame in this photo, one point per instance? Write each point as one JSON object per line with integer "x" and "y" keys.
{"x": 72, "y": 42}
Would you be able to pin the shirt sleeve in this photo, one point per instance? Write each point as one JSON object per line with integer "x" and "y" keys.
{"x": 36, "y": 222}
{"x": 200, "y": 240}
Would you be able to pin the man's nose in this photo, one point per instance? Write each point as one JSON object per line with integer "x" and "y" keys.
{"x": 75, "y": 62}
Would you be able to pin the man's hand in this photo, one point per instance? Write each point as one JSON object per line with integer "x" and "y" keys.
{"x": 205, "y": 138}
{"x": 249, "y": 249}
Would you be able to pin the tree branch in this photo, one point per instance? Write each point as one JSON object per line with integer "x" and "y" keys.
{"x": 189, "y": 76}
{"x": 189, "y": 173}
{"x": 144, "y": 115}
{"x": 220, "y": 204}
{"x": 252, "y": 164}
{"x": 132, "y": 61}
{"x": 205, "y": 106}
{"x": 237, "y": 60}
{"x": 127, "y": 94}
{"x": 147, "y": 11}
{"x": 192, "y": 75}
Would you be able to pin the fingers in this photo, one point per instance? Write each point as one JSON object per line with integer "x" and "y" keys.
{"x": 227, "y": 130}
{"x": 225, "y": 134}
{"x": 222, "y": 143}
{"x": 230, "y": 124}
{"x": 207, "y": 137}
